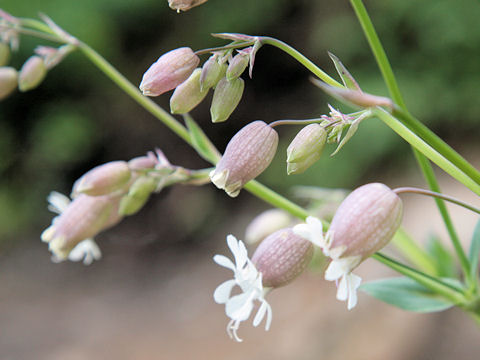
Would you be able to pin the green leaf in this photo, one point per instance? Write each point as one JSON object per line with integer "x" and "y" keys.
{"x": 406, "y": 294}
{"x": 347, "y": 78}
{"x": 200, "y": 141}
{"x": 444, "y": 261}
{"x": 475, "y": 252}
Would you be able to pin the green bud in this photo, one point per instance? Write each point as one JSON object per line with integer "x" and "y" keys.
{"x": 237, "y": 66}
{"x": 306, "y": 148}
{"x": 4, "y": 54}
{"x": 188, "y": 94}
{"x": 32, "y": 73}
{"x": 137, "y": 195}
{"x": 8, "y": 81}
{"x": 226, "y": 97}
{"x": 212, "y": 72}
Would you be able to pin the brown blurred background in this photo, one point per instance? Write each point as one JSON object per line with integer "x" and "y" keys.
{"x": 150, "y": 297}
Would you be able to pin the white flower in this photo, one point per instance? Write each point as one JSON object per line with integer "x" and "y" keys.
{"x": 340, "y": 267}
{"x": 239, "y": 307}
{"x": 86, "y": 250}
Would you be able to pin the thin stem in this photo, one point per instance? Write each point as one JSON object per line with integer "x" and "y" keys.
{"x": 449, "y": 291}
{"x": 433, "y": 185}
{"x": 300, "y": 58}
{"x": 424, "y": 148}
{"x": 134, "y": 93}
{"x": 295, "y": 122}
{"x": 34, "y": 33}
{"x": 413, "y": 190}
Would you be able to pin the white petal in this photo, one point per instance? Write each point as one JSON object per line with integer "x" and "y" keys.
{"x": 86, "y": 250}
{"x": 342, "y": 291}
{"x": 354, "y": 282}
{"x": 260, "y": 314}
{"x": 222, "y": 292}
{"x": 224, "y": 261}
{"x": 239, "y": 307}
{"x": 57, "y": 202}
{"x": 232, "y": 243}
{"x": 269, "y": 317}
{"x": 340, "y": 267}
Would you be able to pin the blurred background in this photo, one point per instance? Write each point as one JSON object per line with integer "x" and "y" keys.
{"x": 150, "y": 297}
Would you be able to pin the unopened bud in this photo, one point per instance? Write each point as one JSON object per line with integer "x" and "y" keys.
{"x": 237, "y": 66}
{"x": 306, "y": 148}
{"x": 366, "y": 221}
{"x": 184, "y": 5}
{"x": 32, "y": 73}
{"x": 188, "y": 94}
{"x": 265, "y": 224}
{"x": 282, "y": 257}
{"x": 247, "y": 155}
{"x": 8, "y": 81}
{"x": 169, "y": 71}
{"x": 226, "y": 97}
{"x": 212, "y": 72}
{"x": 143, "y": 163}
{"x": 137, "y": 196}
{"x": 104, "y": 179}
{"x": 4, "y": 53}
{"x": 83, "y": 218}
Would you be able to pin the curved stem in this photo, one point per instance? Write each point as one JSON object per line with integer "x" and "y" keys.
{"x": 301, "y": 59}
{"x": 295, "y": 122}
{"x": 413, "y": 190}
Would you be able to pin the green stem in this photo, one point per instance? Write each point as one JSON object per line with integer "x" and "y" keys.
{"x": 301, "y": 59}
{"x": 295, "y": 122}
{"x": 414, "y": 253}
{"x": 432, "y": 183}
{"x": 134, "y": 93}
{"x": 449, "y": 291}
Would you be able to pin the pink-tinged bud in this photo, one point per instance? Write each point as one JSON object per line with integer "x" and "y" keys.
{"x": 188, "y": 94}
{"x": 247, "y": 155}
{"x": 366, "y": 221}
{"x": 237, "y": 66}
{"x": 212, "y": 72}
{"x": 265, "y": 224}
{"x": 169, "y": 71}
{"x": 104, "y": 179}
{"x": 4, "y": 54}
{"x": 8, "y": 81}
{"x": 184, "y": 5}
{"x": 143, "y": 163}
{"x": 83, "y": 218}
{"x": 226, "y": 97}
{"x": 282, "y": 257}
{"x": 32, "y": 73}
{"x": 306, "y": 148}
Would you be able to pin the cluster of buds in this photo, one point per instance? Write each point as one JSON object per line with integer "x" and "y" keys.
{"x": 178, "y": 70}
{"x": 35, "y": 68}
{"x": 364, "y": 223}
{"x": 102, "y": 197}
{"x": 277, "y": 261}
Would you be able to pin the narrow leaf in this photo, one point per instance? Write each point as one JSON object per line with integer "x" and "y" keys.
{"x": 347, "y": 78}
{"x": 475, "y": 251}
{"x": 406, "y": 294}
{"x": 444, "y": 261}
{"x": 200, "y": 141}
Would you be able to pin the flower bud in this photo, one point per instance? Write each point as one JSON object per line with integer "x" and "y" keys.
{"x": 83, "y": 218}
{"x": 226, "y": 97}
{"x": 366, "y": 221}
{"x": 143, "y": 163}
{"x": 184, "y": 5}
{"x": 212, "y": 72}
{"x": 4, "y": 53}
{"x": 137, "y": 196}
{"x": 306, "y": 148}
{"x": 265, "y": 224}
{"x": 188, "y": 94}
{"x": 8, "y": 81}
{"x": 281, "y": 257}
{"x": 169, "y": 71}
{"x": 247, "y": 155}
{"x": 32, "y": 73}
{"x": 104, "y": 179}
{"x": 237, "y": 66}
